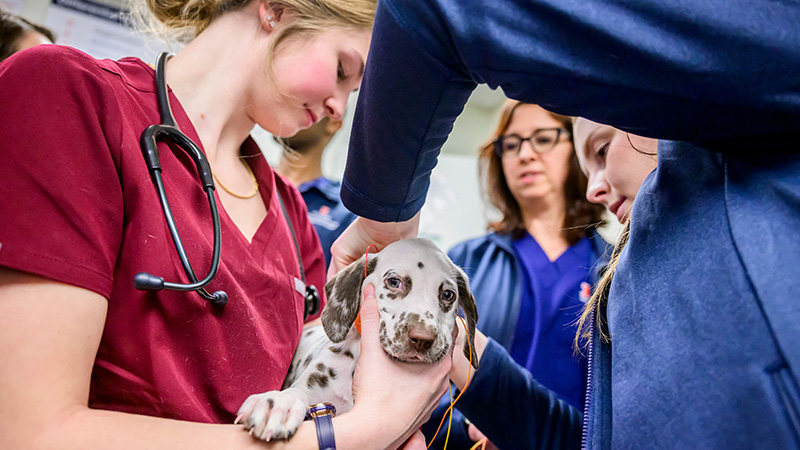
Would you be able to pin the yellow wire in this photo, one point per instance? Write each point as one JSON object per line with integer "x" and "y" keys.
{"x": 453, "y": 402}
{"x": 450, "y": 423}
{"x": 481, "y": 444}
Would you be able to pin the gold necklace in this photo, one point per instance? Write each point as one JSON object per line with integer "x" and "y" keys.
{"x": 247, "y": 166}
{"x": 252, "y": 177}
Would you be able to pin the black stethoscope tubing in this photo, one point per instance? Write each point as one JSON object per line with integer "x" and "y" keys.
{"x": 168, "y": 131}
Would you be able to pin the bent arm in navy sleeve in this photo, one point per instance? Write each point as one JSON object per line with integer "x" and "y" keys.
{"x": 455, "y": 435}
{"x": 707, "y": 71}
{"x": 513, "y": 410}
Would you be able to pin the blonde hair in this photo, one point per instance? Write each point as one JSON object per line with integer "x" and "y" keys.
{"x": 597, "y": 303}
{"x": 183, "y": 20}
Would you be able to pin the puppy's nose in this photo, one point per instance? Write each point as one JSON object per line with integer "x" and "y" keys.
{"x": 421, "y": 338}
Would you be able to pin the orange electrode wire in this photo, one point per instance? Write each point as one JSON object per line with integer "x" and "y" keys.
{"x": 453, "y": 402}
{"x": 357, "y": 322}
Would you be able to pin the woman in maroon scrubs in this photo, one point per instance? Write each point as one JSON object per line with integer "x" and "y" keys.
{"x": 90, "y": 362}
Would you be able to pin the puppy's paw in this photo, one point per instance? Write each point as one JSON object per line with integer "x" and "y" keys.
{"x": 273, "y": 415}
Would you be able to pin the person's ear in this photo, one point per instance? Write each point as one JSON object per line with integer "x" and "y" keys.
{"x": 269, "y": 15}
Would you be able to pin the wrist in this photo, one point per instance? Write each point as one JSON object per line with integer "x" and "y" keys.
{"x": 322, "y": 414}
{"x": 382, "y": 432}
{"x": 388, "y": 232}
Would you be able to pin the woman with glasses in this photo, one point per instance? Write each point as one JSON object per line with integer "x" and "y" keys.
{"x": 532, "y": 272}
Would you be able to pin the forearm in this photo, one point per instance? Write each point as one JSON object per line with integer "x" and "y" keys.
{"x": 89, "y": 429}
{"x": 504, "y": 396}
{"x": 461, "y": 369}
{"x": 390, "y": 159}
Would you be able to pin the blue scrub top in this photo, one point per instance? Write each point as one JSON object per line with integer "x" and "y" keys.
{"x": 326, "y": 211}
{"x": 549, "y": 308}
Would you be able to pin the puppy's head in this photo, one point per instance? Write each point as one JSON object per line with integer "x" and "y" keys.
{"x": 419, "y": 292}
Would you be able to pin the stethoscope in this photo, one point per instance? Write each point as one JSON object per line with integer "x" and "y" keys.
{"x": 168, "y": 130}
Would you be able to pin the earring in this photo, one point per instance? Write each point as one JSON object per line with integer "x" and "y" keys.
{"x": 269, "y": 20}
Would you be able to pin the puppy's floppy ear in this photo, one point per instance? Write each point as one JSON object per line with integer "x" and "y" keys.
{"x": 343, "y": 292}
{"x": 467, "y": 303}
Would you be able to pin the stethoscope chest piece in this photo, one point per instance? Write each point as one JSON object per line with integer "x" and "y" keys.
{"x": 312, "y": 301}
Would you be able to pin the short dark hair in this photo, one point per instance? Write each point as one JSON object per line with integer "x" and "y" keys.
{"x": 13, "y": 28}
{"x": 581, "y": 215}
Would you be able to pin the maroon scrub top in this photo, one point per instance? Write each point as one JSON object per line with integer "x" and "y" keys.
{"x": 77, "y": 205}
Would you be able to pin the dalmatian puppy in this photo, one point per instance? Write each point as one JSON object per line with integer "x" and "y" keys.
{"x": 419, "y": 291}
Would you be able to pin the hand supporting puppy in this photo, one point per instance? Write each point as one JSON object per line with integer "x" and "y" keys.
{"x": 354, "y": 241}
{"x": 395, "y": 397}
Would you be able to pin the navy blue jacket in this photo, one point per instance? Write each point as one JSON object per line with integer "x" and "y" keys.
{"x": 703, "y": 313}
{"x": 716, "y": 71}
{"x": 703, "y": 316}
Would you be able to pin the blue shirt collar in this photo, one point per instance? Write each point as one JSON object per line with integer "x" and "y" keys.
{"x": 327, "y": 187}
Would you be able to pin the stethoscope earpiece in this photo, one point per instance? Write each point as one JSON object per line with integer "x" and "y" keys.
{"x": 147, "y": 282}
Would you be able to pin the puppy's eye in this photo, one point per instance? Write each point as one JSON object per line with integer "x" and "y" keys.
{"x": 394, "y": 283}
{"x": 448, "y": 295}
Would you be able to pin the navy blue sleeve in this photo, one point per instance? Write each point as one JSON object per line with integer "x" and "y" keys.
{"x": 707, "y": 71}
{"x": 513, "y": 410}
{"x": 459, "y": 436}
{"x": 393, "y": 151}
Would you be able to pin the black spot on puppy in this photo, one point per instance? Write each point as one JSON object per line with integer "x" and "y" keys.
{"x": 270, "y": 402}
{"x": 348, "y": 354}
{"x": 420, "y": 265}
{"x": 332, "y": 373}
{"x": 335, "y": 349}
{"x": 321, "y": 367}
{"x": 317, "y": 379}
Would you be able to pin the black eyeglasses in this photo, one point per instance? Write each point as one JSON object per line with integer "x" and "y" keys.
{"x": 542, "y": 141}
